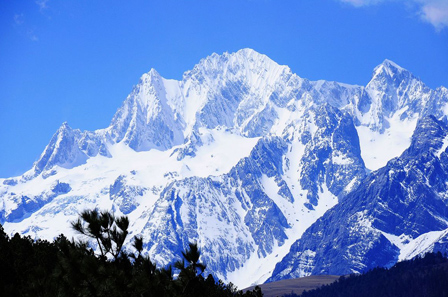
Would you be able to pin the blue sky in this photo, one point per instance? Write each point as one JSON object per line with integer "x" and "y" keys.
{"x": 76, "y": 60}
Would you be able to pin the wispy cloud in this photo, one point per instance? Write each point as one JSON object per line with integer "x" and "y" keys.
{"x": 359, "y": 3}
{"x": 434, "y": 12}
{"x": 23, "y": 28}
{"x": 32, "y": 36}
{"x": 43, "y": 4}
{"x": 18, "y": 19}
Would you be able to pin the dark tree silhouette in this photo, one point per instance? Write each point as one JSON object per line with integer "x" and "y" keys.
{"x": 108, "y": 231}
{"x": 71, "y": 268}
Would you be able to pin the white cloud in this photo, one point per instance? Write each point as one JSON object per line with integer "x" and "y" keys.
{"x": 433, "y": 11}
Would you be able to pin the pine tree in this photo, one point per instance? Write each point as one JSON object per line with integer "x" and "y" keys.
{"x": 108, "y": 231}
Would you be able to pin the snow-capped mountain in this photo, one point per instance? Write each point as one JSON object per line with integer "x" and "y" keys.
{"x": 241, "y": 155}
{"x": 69, "y": 148}
{"x": 398, "y": 212}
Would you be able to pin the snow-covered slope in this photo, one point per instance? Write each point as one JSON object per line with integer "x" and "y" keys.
{"x": 241, "y": 155}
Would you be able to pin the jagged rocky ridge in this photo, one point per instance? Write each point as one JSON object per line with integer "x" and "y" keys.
{"x": 241, "y": 155}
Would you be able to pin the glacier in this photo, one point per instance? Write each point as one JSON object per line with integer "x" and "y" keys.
{"x": 241, "y": 155}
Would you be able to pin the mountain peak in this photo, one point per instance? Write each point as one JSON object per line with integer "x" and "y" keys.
{"x": 242, "y": 62}
{"x": 392, "y": 65}
{"x": 149, "y": 77}
{"x": 388, "y": 68}
{"x": 64, "y": 126}
{"x": 245, "y": 53}
{"x": 250, "y": 53}
{"x": 153, "y": 72}
{"x": 62, "y": 150}
{"x": 251, "y": 56}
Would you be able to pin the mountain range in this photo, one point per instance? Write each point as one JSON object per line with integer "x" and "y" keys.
{"x": 273, "y": 175}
